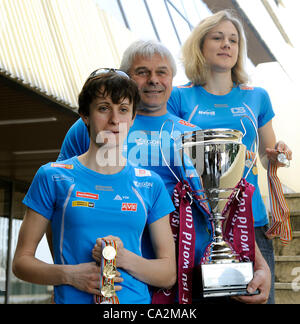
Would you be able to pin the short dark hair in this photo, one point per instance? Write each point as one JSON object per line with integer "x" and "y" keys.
{"x": 108, "y": 84}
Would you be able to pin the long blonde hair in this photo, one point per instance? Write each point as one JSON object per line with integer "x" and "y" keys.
{"x": 193, "y": 60}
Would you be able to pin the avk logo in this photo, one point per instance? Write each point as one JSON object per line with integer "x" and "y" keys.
{"x": 129, "y": 207}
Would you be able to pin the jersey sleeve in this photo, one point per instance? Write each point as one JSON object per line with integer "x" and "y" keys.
{"x": 267, "y": 112}
{"x": 41, "y": 194}
{"x": 76, "y": 141}
{"x": 161, "y": 202}
{"x": 174, "y": 103}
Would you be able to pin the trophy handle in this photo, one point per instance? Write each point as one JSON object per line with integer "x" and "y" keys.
{"x": 257, "y": 139}
{"x": 160, "y": 147}
{"x": 163, "y": 156}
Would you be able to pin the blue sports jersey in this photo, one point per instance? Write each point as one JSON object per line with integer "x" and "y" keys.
{"x": 195, "y": 104}
{"x": 76, "y": 142}
{"x": 143, "y": 150}
{"x": 144, "y": 145}
{"x": 84, "y": 205}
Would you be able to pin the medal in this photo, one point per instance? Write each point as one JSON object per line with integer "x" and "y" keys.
{"x": 109, "y": 252}
{"x": 108, "y": 289}
{"x": 108, "y": 272}
{"x": 281, "y": 157}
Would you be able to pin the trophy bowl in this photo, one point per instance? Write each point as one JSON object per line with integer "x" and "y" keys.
{"x": 213, "y": 162}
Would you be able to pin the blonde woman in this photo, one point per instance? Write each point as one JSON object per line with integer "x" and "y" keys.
{"x": 217, "y": 96}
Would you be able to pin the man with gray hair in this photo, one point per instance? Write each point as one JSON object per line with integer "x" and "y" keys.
{"x": 152, "y": 67}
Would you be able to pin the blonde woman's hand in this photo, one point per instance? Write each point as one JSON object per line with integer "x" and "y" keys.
{"x": 280, "y": 147}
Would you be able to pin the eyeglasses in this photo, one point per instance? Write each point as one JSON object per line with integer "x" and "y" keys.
{"x": 107, "y": 70}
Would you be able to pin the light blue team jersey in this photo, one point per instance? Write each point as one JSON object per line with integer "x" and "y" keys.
{"x": 76, "y": 141}
{"x": 84, "y": 205}
{"x": 196, "y": 105}
{"x": 142, "y": 144}
{"x": 143, "y": 150}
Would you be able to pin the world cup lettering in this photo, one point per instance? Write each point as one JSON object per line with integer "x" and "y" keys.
{"x": 243, "y": 220}
{"x": 245, "y": 248}
{"x": 184, "y": 300}
{"x": 186, "y": 247}
{"x": 242, "y": 209}
{"x": 186, "y": 242}
{"x": 231, "y": 235}
{"x": 188, "y": 236}
{"x": 176, "y": 199}
{"x": 186, "y": 263}
{"x": 242, "y": 202}
{"x": 244, "y": 238}
{"x": 175, "y": 220}
{"x": 189, "y": 217}
{"x": 186, "y": 254}
{"x": 184, "y": 282}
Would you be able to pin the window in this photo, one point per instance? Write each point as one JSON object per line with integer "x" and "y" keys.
{"x": 112, "y": 7}
{"x": 279, "y": 2}
{"x": 163, "y": 23}
{"x": 13, "y": 289}
{"x": 138, "y": 18}
{"x": 181, "y": 24}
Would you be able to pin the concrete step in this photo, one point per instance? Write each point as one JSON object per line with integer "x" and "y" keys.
{"x": 295, "y": 220}
{"x": 287, "y": 268}
{"x": 293, "y": 201}
{"x": 291, "y": 249}
{"x": 28, "y": 299}
{"x": 287, "y": 258}
{"x": 287, "y": 293}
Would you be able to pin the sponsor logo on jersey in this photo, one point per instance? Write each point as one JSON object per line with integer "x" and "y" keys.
{"x": 63, "y": 166}
{"x": 246, "y": 88}
{"x": 104, "y": 188}
{"x": 143, "y": 141}
{"x": 144, "y": 184}
{"x": 207, "y": 113}
{"x": 237, "y": 111}
{"x": 79, "y": 203}
{"x": 221, "y": 106}
{"x": 185, "y": 123}
{"x": 118, "y": 197}
{"x": 142, "y": 172}
{"x": 61, "y": 177}
{"x": 129, "y": 207}
{"x": 87, "y": 195}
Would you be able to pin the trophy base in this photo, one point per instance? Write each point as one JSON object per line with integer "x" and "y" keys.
{"x": 226, "y": 279}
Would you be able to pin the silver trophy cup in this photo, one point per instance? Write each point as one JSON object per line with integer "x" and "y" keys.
{"x": 213, "y": 162}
